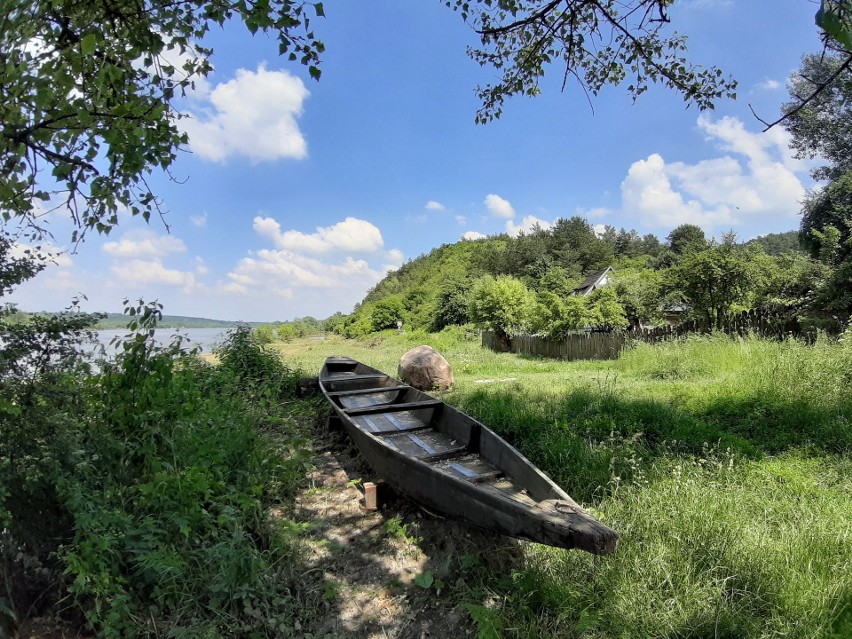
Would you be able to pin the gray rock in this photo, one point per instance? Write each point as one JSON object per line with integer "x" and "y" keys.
{"x": 425, "y": 368}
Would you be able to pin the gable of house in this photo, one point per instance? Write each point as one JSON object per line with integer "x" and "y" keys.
{"x": 594, "y": 281}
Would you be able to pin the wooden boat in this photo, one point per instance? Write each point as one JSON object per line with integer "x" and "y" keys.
{"x": 450, "y": 462}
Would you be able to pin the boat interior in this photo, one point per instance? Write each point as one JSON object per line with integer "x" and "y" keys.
{"x": 424, "y": 428}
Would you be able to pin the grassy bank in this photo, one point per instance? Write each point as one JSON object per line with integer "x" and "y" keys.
{"x": 723, "y": 463}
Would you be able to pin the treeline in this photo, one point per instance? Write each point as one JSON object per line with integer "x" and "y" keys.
{"x": 528, "y": 282}
{"x": 119, "y": 320}
{"x": 299, "y": 327}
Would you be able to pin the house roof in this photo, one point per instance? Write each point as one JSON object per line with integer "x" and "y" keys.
{"x": 593, "y": 279}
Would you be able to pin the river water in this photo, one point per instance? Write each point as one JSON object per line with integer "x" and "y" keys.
{"x": 206, "y": 338}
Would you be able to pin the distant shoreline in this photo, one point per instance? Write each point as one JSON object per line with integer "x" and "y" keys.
{"x": 120, "y": 320}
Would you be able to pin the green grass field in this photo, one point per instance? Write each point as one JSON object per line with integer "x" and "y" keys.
{"x": 724, "y": 464}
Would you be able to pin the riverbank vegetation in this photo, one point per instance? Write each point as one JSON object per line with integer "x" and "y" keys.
{"x": 135, "y": 492}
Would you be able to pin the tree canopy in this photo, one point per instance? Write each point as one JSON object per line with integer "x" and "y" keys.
{"x": 595, "y": 42}
{"x": 718, "y": 277}
{"x": 87, "y": 97}
{"x": 822, "y": 128}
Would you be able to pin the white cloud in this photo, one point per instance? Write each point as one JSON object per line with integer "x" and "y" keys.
{"x": 394, "y": 256}
{"x": 599, "y": 229}
{"x": 769, "y": 85}
{"x": 498, "y": 206}
{"x": 253, "y": 115}
{"x": 432, "y": 205}
{"x": 473, "y": 235}
{"x": 350, "y": 235}
{"x": 144, "y": 243}
{"x": 526, "y": 225}
{"x": 756, "y": 180}
{"x": 201, "y": 266}
{"x": 199, "y": 220}
{"x": 461, "y": 220}
{"x": 267, "y": 269}
{"x": 138, "y": 272}
{"x": 320, "y": 269}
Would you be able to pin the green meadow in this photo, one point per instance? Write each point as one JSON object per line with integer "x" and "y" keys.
{"x": 723, "y": 463}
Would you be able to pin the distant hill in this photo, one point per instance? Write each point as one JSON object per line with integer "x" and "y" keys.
{"x": 120, "y": 320}
{"x": 431, "y": 291}
{"x": 778, "y": 243}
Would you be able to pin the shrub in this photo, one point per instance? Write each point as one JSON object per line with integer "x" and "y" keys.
{"x": 503, "y": 304}
{"x": 264, "y": 334}
{"x": 141, "y": 489}
{"x": 387, "y": 312}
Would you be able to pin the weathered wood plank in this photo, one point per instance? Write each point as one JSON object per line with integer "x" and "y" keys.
{"x": 447, "y": 454}
{"x": 367, "y": 391}
{"x": 392, "y": 408}
{"x": 334, "y": 379}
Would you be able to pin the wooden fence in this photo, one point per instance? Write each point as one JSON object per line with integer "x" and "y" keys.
{"x": 608, "y": 345}
{"x": 576, "y": 346}
{"x": 771, "y": 325}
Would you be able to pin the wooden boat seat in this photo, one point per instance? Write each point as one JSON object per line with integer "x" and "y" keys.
{"x": 367, "y": 391}
{"x": 473, "y": 469}
{"x": 389, "y": 424}
{"x": 342, "y": 377}
{"x": 392, "y": 408}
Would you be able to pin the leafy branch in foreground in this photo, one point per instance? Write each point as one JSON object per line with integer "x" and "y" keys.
{"x": 597, "y": 42}
{"x": 87, "y": 94}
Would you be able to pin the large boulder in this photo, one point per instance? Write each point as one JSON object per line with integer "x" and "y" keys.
{"x": 425, "y": 368}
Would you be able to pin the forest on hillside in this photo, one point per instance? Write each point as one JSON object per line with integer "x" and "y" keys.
{"x": 528, "y": 282}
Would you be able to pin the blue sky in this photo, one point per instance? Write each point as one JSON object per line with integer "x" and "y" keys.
{"x": 297, "y": 196}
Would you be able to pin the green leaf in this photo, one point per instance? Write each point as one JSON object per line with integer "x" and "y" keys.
{"x": 88, "y": 43}
{"x": 425, "y": 579}
{"x": 319, "y": 9}
{"x": 833, "y": 24}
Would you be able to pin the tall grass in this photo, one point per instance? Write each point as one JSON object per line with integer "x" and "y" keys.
{"x": 724, "y": 464}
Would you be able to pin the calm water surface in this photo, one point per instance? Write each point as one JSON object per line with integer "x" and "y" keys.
{"x": 206, "y": 338}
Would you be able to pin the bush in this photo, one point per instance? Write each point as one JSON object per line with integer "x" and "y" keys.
{"x": 503, "y": 304}
{"x": 287, "y": 332}
{"x": 144, "y": 489}
{"x": 387, "y": 312}
{"x": 264, "y": 334}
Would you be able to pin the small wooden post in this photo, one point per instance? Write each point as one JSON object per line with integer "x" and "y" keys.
{"x": 375, "y": 494}
{"x": 371, "y": 497}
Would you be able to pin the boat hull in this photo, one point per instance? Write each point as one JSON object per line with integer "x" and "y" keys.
{"x": 490, "y": 484}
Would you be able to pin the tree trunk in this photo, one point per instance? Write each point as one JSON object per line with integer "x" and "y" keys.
{"x": 502, "y": 341}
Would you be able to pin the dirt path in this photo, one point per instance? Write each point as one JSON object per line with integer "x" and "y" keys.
{"x": 399, "y": 572}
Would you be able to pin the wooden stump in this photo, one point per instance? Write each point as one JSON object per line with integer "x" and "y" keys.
{"x": 376, "y": 494}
